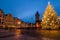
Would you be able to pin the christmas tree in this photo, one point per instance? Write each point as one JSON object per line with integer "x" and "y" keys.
{"x": 49, "y": 20}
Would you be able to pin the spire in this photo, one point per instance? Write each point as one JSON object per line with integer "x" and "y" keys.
{"x": 37, "y": 13}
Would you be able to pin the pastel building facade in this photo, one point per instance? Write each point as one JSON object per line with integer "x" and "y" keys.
{"x": 2, "y": 17}
{"x": 8, "y": 20}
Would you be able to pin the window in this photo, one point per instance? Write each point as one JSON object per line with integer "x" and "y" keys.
{"x": 3, "y": 16}
{"x": 0, "y": 16}
{"x": 2, "y": 19}
{"x": 2, "y": 22}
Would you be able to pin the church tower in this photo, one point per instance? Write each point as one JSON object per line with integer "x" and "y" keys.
{"x": 37, "y": 24}
{"x": 37, "y": 16}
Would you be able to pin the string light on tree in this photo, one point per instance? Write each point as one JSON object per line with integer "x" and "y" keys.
{"x": 49, "y": 19}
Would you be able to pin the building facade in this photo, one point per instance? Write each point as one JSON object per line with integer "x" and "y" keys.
{"x": 2, "y": 19}
{"x": 8, "y": 20}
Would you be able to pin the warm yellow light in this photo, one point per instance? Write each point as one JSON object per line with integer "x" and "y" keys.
{"x": 51, "y": 14}
{"x": 17, "y": 33}
{"x": 37, "y": 24}
{"x": 52, "y": 21}
{"x": 19, "y": 22}
{"x": 44, "y": 16}
{"x": 48, "y": 19}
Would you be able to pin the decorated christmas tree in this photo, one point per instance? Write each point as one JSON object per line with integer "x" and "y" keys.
{"x": 49, "y": 20}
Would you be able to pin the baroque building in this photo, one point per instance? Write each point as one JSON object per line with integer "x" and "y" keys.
{"x": 17, "y": 22}
{"x": 2, "y": 19}
{"x": 9, "y": 21}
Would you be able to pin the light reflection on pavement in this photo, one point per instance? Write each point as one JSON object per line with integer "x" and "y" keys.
{"x": 29, "y": 34}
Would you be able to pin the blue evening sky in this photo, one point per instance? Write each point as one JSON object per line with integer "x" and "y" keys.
{"x": 26, "y": 9}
